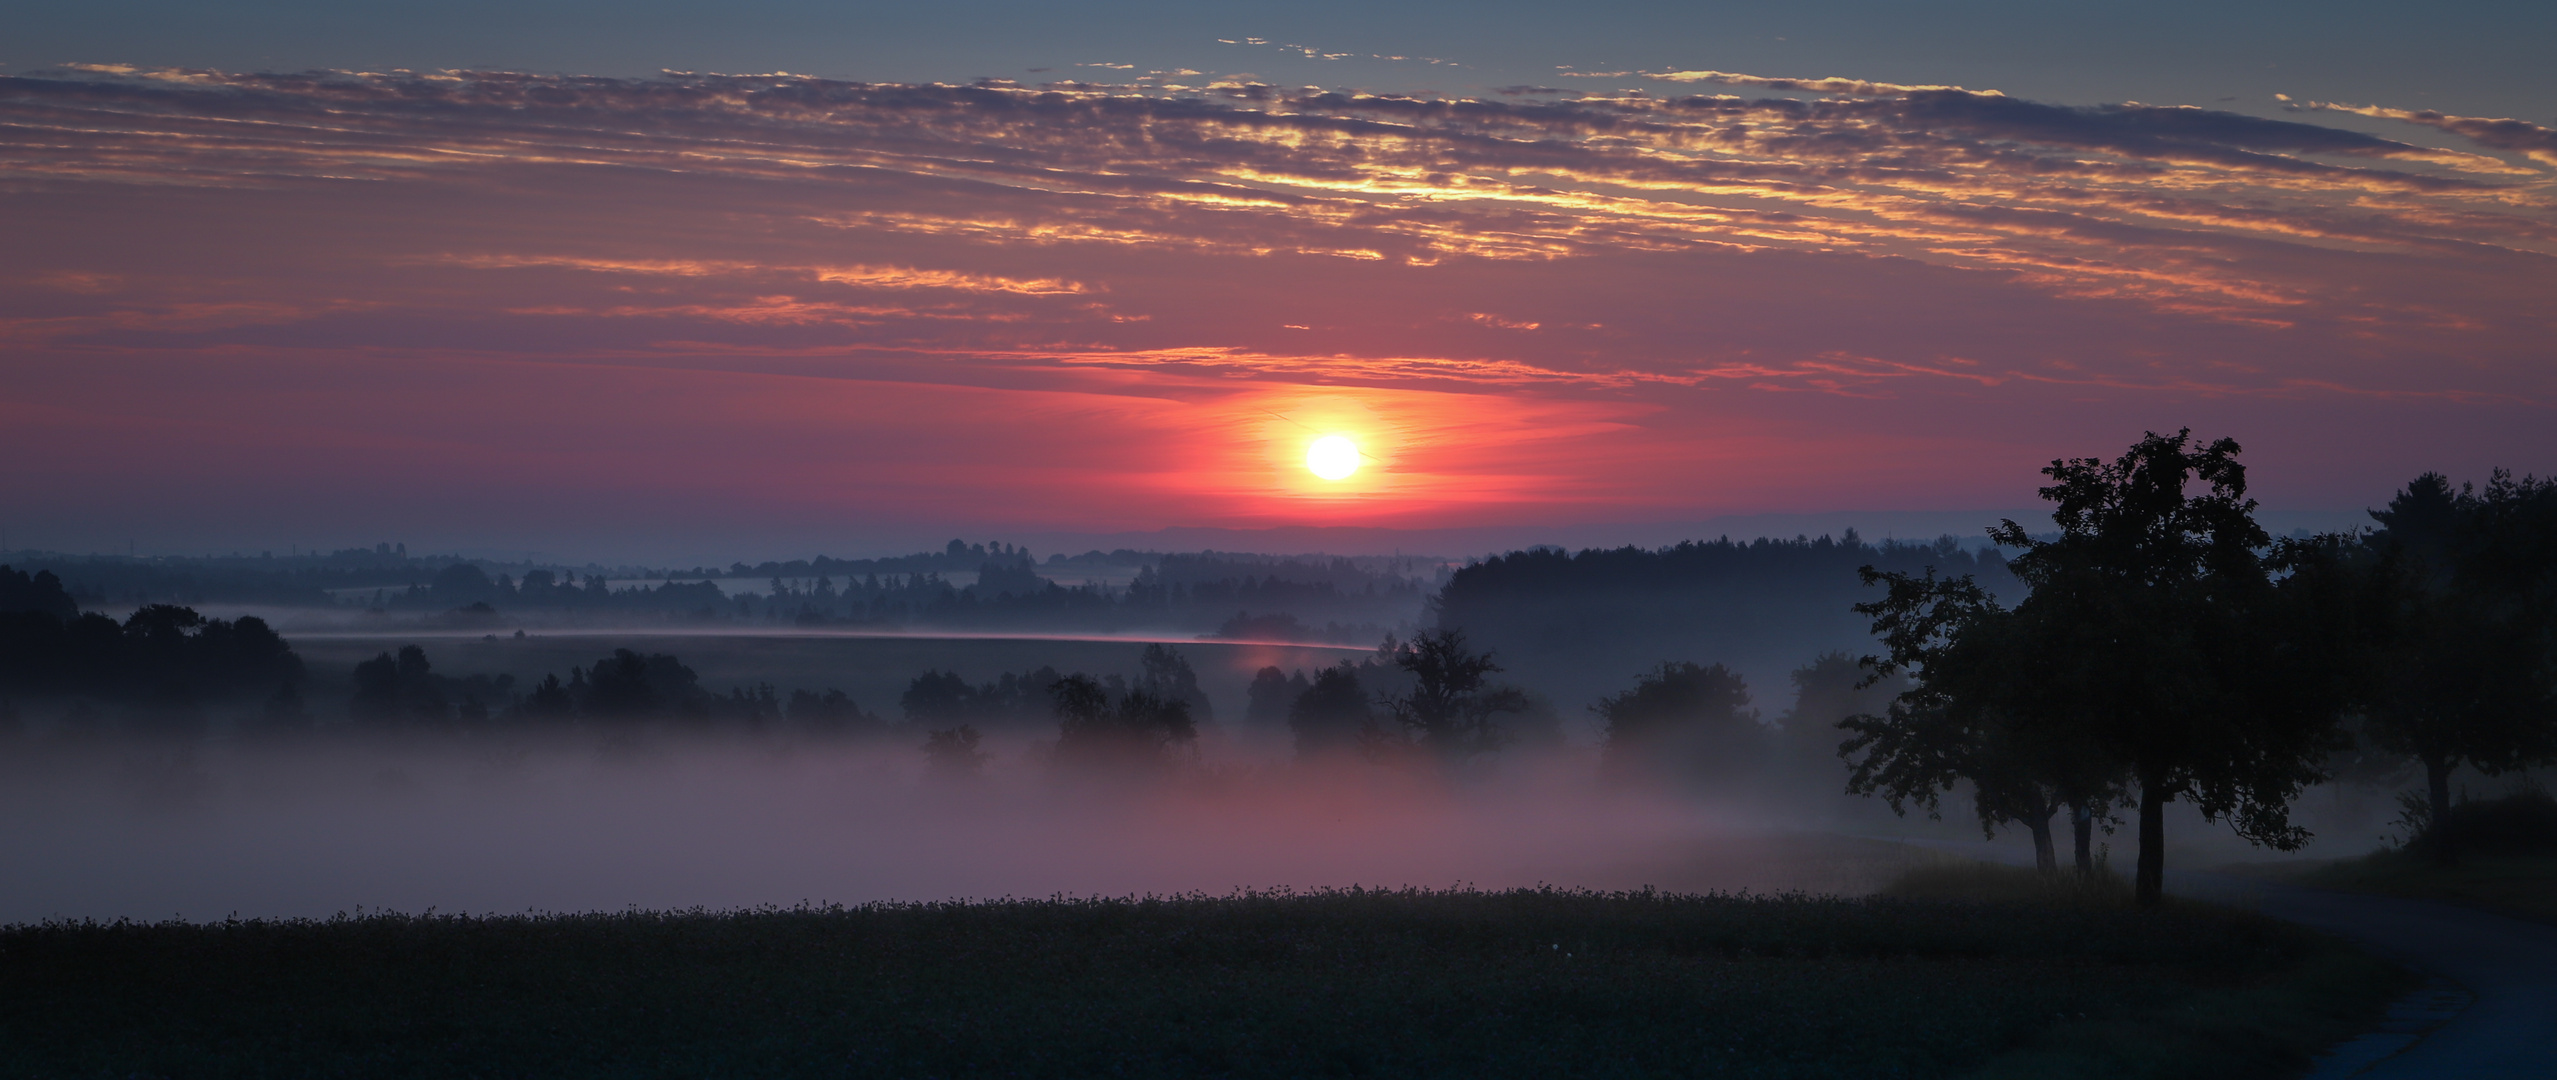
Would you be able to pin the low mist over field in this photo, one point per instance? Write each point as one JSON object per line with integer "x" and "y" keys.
{"x": 448, "y": 788}
{"x": 144, "y": 832}
{"x": 317, "y": 831}
{"x": 470, "y": 736}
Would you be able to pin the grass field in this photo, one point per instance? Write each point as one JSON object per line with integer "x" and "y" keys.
{"x": 1522, "y": 983}
{"x": 2520, "y": 885}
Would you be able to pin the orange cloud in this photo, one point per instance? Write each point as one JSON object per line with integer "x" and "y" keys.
{"x": 1089, "y": 302}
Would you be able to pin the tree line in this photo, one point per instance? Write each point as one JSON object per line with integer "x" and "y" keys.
{"x": 1576, "y": 624}
{"x": 1295, "y": 598}
{"x": 265, "y": 578}
{"x": 399, "y": 691}
{"x": 2168, "y": 648}
{"x": 163, "y": 665}
{"x": 1680, "y": 724}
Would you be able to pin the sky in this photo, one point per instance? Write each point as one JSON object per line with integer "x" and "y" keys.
{"x": 683, "y": 282}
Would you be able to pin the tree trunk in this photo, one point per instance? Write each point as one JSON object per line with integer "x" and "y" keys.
{"x": 2082, "y": 830}
{"x": 2150, "y": 887}
{"x": 2439, "y": 842}
{"x": 2043, "y": 859}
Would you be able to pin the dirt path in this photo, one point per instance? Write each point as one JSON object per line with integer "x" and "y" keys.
{"x": 2508, "y": 1029}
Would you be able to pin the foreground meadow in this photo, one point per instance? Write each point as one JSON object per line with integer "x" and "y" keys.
{"x": 1543, "y": 983}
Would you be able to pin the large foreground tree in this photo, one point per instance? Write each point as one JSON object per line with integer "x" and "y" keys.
{"x": 2161, "y": 622}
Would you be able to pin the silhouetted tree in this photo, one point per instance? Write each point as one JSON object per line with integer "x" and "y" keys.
{"x": 164, "y": 662}
{"x": 400, "y": 689}
{"x": 1331, "y": 714}
{"x": 461, "y": 584}
{"x": 40, "y": 593}
{"x": 831, "y": 714}
{"x": 938, "y": 699}
{"x": 1165, "y": 673}
{"x": 627, "y": 685}
{"x": 953, "y": 754}
{"x": 1451, "y": 710}
{"x": 549, "y": 700}
{"x": 1141, "y": 727}
{"x": 1271, "y": 695}
{"x": 92, "y": 656}
{"x": 2159, "y": 635}
{"x": 157, "y": 644}
{"x": 1682, "y": 720}
{"x": 1009, "y": 578}
{"x": 752, "y": 711}
{"x": 2464, "y": 670}
{"x": 1829, "y": 689}
{"x": 1980, "y": 706}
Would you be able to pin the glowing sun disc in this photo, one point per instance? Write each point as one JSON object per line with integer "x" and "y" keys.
{"x": 1332, "y": 457}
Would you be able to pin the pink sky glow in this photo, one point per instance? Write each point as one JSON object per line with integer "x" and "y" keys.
{"x": 558, "y": 310}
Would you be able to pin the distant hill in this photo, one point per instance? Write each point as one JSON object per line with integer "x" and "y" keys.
{"x": 1577, "y": 626}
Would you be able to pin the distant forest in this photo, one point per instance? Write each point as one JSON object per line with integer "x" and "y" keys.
{"x": 1610, "y": 616}
{"x": 171, "y": 677}
{"x": 1314, "y": 598}
{"x": 1581, "y": 625}
{"x": 1239, "y": 596}
{"x": 163, "y": 669}
{"x": 1568, "y": 628}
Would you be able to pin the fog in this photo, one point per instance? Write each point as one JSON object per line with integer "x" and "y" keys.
{"x": 123, "y": 803}
{"x": 135, "y": 831}
{"x": 148, "y": 831}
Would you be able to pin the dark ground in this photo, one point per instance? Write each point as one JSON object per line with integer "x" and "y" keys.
{"x": 2508, "y": 964}
{"x": 1532, "y": 983}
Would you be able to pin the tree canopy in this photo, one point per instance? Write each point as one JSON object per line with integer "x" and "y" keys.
{"x": 2165, "y": 641}
{"x": 1451, "y": 709}
{"x": 1682, "y": 720}
{"x": 1332, "y": 714}
{"x": 2462, "y": 667}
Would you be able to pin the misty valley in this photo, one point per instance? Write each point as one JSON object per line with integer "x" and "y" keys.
{"x": 1597, "y": 540}
{"x": 1218, "y": 814}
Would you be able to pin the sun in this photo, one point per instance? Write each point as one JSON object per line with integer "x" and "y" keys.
{"x": 1332, "y": 457}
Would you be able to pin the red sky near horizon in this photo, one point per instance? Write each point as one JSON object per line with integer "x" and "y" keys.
{"x": 559, "y": 310}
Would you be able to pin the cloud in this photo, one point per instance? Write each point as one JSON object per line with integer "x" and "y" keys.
{"x": 1831, "y": 85}
{"x": 2521, "y": 137}
{"x": 1238, "y": 145}
{"x": 1943, "y": 174}
{"x": 1860, "y": 269}
{"x": 867, "y": 277}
